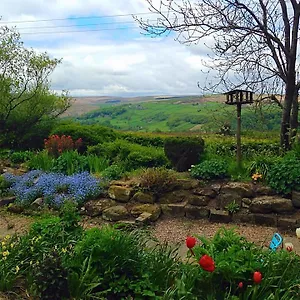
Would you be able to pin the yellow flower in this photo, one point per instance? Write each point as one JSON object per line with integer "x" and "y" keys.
{"x": 4, "y": 258}
{"x": 5, "y": 253}
{"x": 63, "y": 250}
{"x": 7, "y": 237}
{"x": 12, "y": 245}
{"x": 17, "y": 269}
{"x": 3, "y": 243}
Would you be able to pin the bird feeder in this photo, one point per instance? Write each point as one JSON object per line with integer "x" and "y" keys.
{"x": 238, "y": 98}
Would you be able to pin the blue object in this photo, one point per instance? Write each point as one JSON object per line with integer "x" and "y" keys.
{"x": 276, "y": 241}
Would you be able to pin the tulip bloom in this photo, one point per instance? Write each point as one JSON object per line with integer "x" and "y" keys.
{"x": 241, "y": 285}
{"x": 207, "y": 263}
{"x": 190, "y": 242}
{"x": 257, "y": 277}
{"x": 289, "y": 247}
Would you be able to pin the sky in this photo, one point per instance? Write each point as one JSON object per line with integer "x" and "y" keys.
{"x": 104, "y": 52}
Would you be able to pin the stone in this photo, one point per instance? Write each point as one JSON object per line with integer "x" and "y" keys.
{"x": 198, "y": 200}
{"x": 129, "y": 183}
{"x": 224, "y": 199}
{"x": 174, "y": 197}
{"x": 153, "y": 209}
{"x": 268, "y": 220}
{"x": 268, "y": 204}
{"x": 37, "y": 203}
{"x": 205, "y": 192}
{"x": 216, "y": 187}
{"x": 120, "y": 193}
{"x": 263, "y": 190}
{"x": 7, "y": 200}
{"x": 95, "y": 208}
{"x": 246, "y": 202}
{"x": 195, "y": 212}
{"x": 143, "y": 197}
{"x": 296, "y": 199}
{"x": 244, "y": 190}
{"x": 144, "y": 218}
{"x": 115, "y": 213}
{"x": 242, "y": 217}
{"x": 14, "y": 208}
{"x": 287, "y": 224}
{"x": 219, "y": 216}
{"x": 186, "y": 184}
{"x": 174, "y": 209}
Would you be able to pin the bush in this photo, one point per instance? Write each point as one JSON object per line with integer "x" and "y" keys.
{"x": 91, "y": 134}
{"x": 20, "y": 156}
{"x": 144, "y": 139}
{"x": 131, "y": 156}
{"x": 157, "y": 180}
{"x": 113, "y": 172}
{"x": 284, "y": 175}
{"x": 261, "y": 165}
{"x": 183, "y": 151}
{"x": 210, "y": 169}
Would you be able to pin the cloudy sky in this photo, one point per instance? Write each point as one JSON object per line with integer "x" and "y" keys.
{"x": 103, "y": 51}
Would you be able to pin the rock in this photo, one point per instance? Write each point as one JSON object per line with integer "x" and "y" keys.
{"x": 242, "y": 217}
{"x": 242, "y": 189}
{"x": 129, "y": 183}
{"x": 246, "y": 202}
{"x": 7, "y": 200}
{"x": 216, "y": 187}
{"x": 224, "y": 199}
{"x": 219, "y": 216}
{"x": 174, "y": 197}
{"x": 205, "y": 192}
{"x": 268, "y": 204}
{"x": 186, "y": 184}
{"x": 263, "y": 190}
{"x": 153, "y": 209}
{"x": 95, "y": 208}
{"x": 120, "y": 193}
{"x": 144, "y": 218}
{"x": 14, "y": 208}
{"x": 143, "y": 197}
{"x": 287, "y": 224}
{"x": 296, "y": 199}
{"x": 115, "y": 213}
{"x": 14, "y": 171}
{"x": 194, "y": 212}
{"x": 37, "y": 203}
{"x": 174, "y": 209}
{"x": 268, "y": 220}
{"x": 199, "y": 200}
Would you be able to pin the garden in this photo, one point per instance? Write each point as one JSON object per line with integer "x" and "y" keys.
{"x": 122, "y": 177}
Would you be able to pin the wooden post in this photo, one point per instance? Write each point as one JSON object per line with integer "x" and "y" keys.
{"x": 238, "y": 136}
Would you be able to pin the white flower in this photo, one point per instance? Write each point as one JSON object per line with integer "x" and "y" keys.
{"x": 298, "y": 233}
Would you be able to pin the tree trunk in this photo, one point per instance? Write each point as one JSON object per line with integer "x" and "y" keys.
{"x": 286, "y": 115}
{"x": 294, "y": 117}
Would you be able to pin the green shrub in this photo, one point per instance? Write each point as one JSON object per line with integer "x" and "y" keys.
{"x": 183, "y": 151}
{"x": 113, "y": 172}
{"x": 131, "y": 156}
{"x": 284, "y": 175}
{"x": 20, "y": 156}
{"x": 90, "y": 134}
{"x": 157, "y": 180}
{"x": 144, "y": 139}
{"x": 41, "y": 161}
{"x": 210, "y": 169}
{"x": 261, "y": 165}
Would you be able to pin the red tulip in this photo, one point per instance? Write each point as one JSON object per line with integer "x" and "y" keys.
{"x": 207, "y": 263}
{"x": 257, "y": 277}
{"x": 241, "y": 285}
{"x": 190, "y": 242}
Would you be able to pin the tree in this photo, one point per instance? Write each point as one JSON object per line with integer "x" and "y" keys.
{"x": 255, "y": 44}
{"x": 26, "y": 101}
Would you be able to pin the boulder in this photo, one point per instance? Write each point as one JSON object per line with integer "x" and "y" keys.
{"x": 219, "y": 216}
{"x": 224, "y": 199}
{"x": 37, "y": 203}
{"x": 144, "y": 218}
{"x": 95, "y": 208}
{"x": 174, "y": 197}
{"x": 296, "y": 199}
{"x": 195, "y": 212}
{"x": 186, "y": 184}
{"x": 115, "y": 213}
{"x": 15, "y": 208}
{"x": 174, "y": 209}
{"x": 198, "y": 200}
{"x": 120, "y": 193}
{"x": 7, "y": 200}
{"x": 242, "y": 189}
{"x": 153, "y": 209}
{"x": 268, "y": 220}
{"x": 263, "y": 190}
{"x": 209, "y": 192}
{"x": 246, "y": 202}
{"x": 143, "y": 197}
{"x": 287, "y": 223}
{"x": 268, "y": 204}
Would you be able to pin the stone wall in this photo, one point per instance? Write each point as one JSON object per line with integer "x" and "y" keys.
{"x": 257, "y": 204}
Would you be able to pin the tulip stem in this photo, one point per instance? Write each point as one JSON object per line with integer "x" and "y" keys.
{"x": 192, "y": 251}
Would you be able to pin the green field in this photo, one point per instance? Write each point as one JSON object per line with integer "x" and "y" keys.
{"x": 181, "y": 116}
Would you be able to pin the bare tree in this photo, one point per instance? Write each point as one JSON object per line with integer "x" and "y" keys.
{"x": 254, "y": 44}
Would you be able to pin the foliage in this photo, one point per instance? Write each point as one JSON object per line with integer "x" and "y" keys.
{"x": 91, "y": 134}
{"x": 56, "y": 145}
{"x": 284, "y": 175}
{"x": 113, "y": 172}
{"x": 54, "y": 188}
{"x": 26, "y": 100}
{"x": 144, "y": 139}
{"x": 157, "y": 180}
{"x": 210, "y": 169}
{"x": 183, "y": 152}
{"x": 20, "y": 156}
{"x": 261, "y": 165}
{"x": 131, "y": 156}
{"x": 232, "y": 207}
